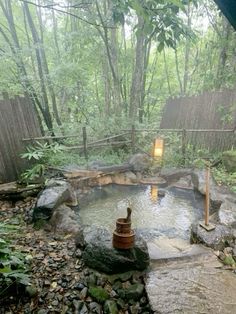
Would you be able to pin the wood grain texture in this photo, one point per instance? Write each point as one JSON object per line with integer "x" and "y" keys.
{"x": 17, "y": 121}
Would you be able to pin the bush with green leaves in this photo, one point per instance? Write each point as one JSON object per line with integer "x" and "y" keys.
{"x": 39, "y": 154}
{"x": 225, "y": 178}
{"x": 12, "y": 263}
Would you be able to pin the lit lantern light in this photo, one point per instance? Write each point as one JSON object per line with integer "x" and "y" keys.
{"x": 158, "y": 147}
{"x": 154, "y": 193}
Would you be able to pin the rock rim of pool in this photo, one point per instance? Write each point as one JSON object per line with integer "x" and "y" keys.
{"x": 64, "y": 192}
{"x": 99, "y": 253}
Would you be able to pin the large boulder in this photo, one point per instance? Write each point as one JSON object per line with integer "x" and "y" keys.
{"x": 217, "y": 239}
{"x": 99, "y": 253}
{"x": 64, "y": 220}
{"x": 172, "y": 175}
{"x": 229, "y": 160}
{"x": 216, "y": 195}
{"x": 55, "y": 193}
{"x": 140, "y": 162}
{"x": 227, "y": 212}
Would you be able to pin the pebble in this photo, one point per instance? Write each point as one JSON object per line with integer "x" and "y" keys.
{"x": 83, "y": 293}
{"x": 79, "y": 286}
{"x": 62, "y": 281}
{"x": 42, "y": 311}
{"x": 55, "y": 303}
{"x": 95, "y": 307}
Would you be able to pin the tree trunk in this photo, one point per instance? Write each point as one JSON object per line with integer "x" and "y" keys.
{"x": 23, "y": 76}
{"x": 167, "y": 73}
{"x": 187, "y": 53}
{"x": 137, "y": 77}
{"x": 223, "y": 53}
{"x": 178, "y": 73}
{"x": 46, "y": 69}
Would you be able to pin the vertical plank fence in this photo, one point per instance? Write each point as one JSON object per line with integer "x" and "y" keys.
{"x": 17, "y": 120}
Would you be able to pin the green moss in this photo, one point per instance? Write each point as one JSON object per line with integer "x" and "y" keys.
{"x": 39, "y": 224}
{"x": 228, "y": 260}
{"x": 99, "y": 294}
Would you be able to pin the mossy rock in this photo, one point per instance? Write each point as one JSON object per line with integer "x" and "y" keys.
{"x": 99, "y": 294}
{"x": 229, "y": 160}
{"x": 229, "y": 260}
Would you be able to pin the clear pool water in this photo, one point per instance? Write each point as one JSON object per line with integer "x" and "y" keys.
{"x": 170, "y": 216}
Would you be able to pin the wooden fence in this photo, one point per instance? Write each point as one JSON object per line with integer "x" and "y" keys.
{"x": 17, "y": 120}
{"x": 130, "y": 138}
{"x": 208, "y": 111}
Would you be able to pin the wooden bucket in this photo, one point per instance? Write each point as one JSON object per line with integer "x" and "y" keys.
{"x": 122, "y": 226}
{"x": 123, "y": 240}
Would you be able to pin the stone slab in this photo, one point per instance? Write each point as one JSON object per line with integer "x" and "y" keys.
{"x": 163, "y": 249}
{"x": 193, "y": 287}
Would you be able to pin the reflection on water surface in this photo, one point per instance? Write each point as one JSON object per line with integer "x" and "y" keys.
{"x": 171, "y": 215}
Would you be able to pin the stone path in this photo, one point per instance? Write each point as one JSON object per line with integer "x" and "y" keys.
{"x": 194, "y": 284}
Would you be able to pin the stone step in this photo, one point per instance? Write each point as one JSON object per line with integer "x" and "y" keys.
{"x": 164, "y": 249}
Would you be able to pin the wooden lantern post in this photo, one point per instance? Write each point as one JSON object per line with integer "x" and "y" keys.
{"x": 158, "y": 148}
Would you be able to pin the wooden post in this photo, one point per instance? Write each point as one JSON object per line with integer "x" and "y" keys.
{"x": 207, "y": 200}
{"x": 205, "y": 224}
{"x": 85, "y": 143}
{"x": 184, "y": 138}
{"x": 133, "y": 139}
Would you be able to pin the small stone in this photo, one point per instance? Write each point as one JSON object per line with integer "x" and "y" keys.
{"x": 78, "y": 253}
{"x": 121, "y": 304}
{"x": 101, "y": 281}
{"x": 83, "y": 293}
{"x": 121, "y": 293}
{"x": 78, "y": 267}
{"x": 79, "y": 286}
{"x": 78, "y": 305}
{"x": 51, "y": 295}
{"x": 113, "y": 294}
{"x": 134, "y": 309}
{"x": 47, "y": 283}
{"x": 125, "y": 276}
{"x": 55, "y": 303}
{"x": 59, "y": 297}
{"x": 95, "y": 307}
{"x": 31, "y": 291}
{"x": 92, "y": 280}
{"x": 228, "y": 250}
{"x": 117, "y": 285}
{"x": 110, "y": 307}
{"x": 86, "y": 272}
{"x": 134, "y": 292}
{"x": 126, "y": 284}
{"x": 84, "y": 310}
{"x": 234, "y": 252}
{"x": 64, "y": 285}
{"x": 143, "y": 300}
{"x": 42, "y": 311}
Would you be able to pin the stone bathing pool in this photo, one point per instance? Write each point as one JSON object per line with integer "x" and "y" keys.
{"x": 163, "y": 221}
